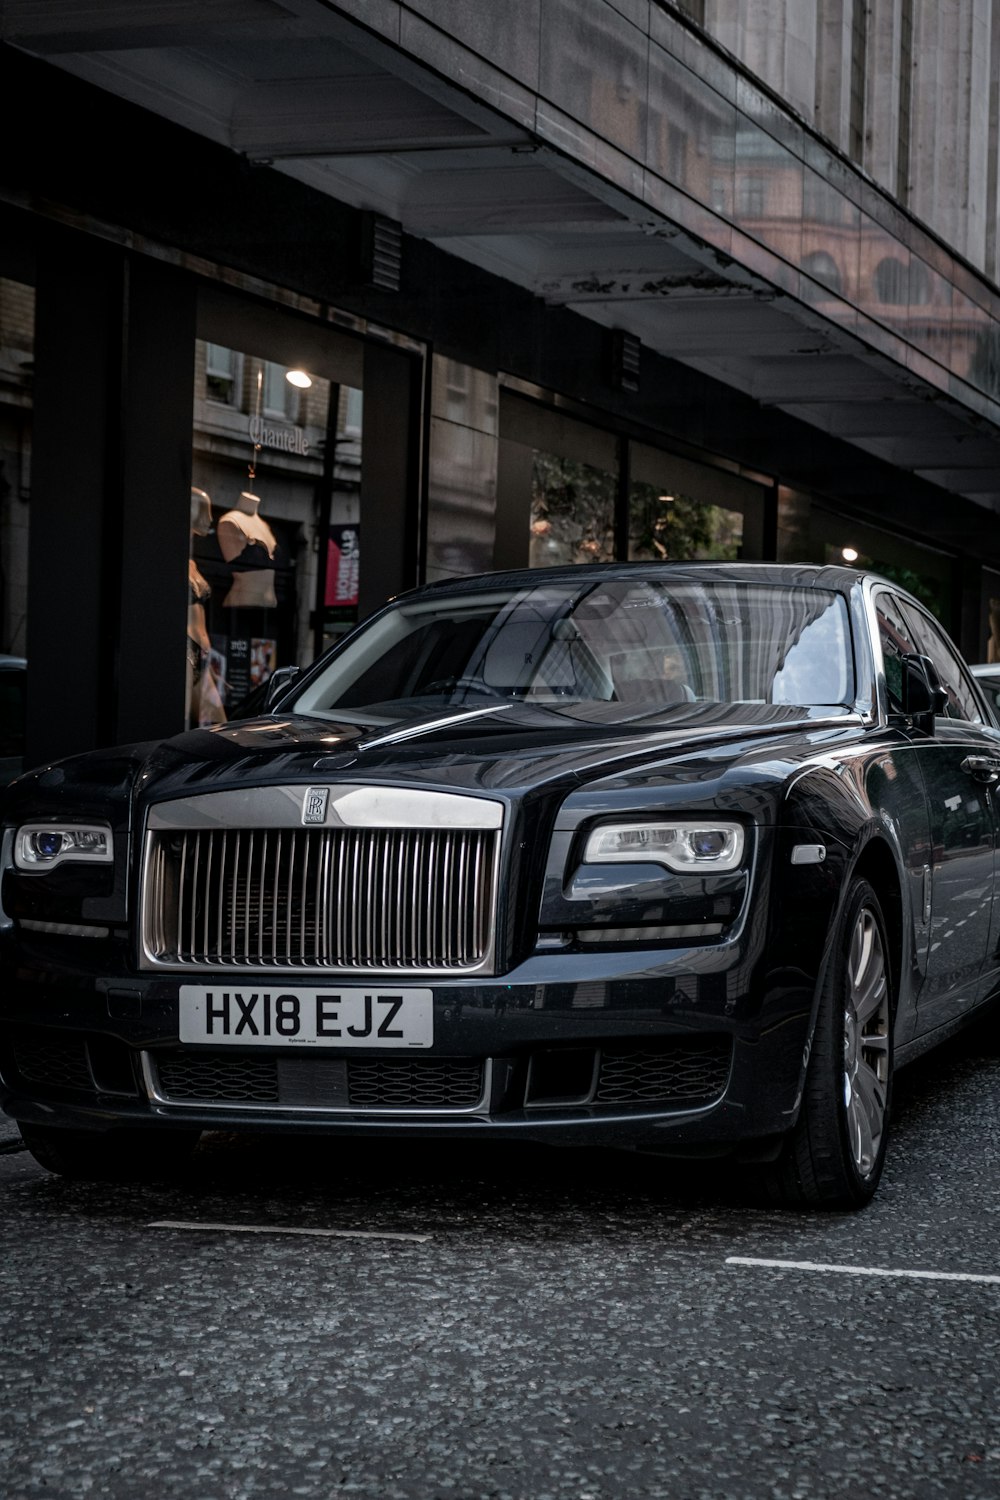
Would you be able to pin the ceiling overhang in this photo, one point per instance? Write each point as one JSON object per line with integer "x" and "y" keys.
{"x": 301, "y": 86}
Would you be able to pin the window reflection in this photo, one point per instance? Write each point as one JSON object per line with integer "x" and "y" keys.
{"x": 572, "y": 512}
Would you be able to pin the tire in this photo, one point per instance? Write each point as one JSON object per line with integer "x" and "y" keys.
{"x": 833, "y": 1157}
{"x": 112, "y": 1155}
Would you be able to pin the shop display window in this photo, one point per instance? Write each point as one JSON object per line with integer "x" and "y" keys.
{"x": 275, "y": 553}
{"x": 672, "y": 526}
{"x": 572, "y": 512}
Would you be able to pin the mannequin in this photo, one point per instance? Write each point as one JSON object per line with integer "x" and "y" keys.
{"x": 198, "y": 586}
{"x": 248, "y": 543}
{"x": 204, "y": 700}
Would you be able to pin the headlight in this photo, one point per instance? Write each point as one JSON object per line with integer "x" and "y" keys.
{"x": 40, "y": 846}
{"x": 684, "y": 846}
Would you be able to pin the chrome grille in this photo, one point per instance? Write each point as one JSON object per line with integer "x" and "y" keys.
{"x": 399, "y": 899}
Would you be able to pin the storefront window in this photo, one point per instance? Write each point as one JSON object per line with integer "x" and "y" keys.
{"x": 17, "y": 342}
{"x": 808, "y": 532}
{"x": 275, "y": 526}
{"x": 677, "y": 527}
{"x": 572, "y": 512}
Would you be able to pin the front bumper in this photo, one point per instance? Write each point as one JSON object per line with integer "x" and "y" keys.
{"x": 681, "y": 1051}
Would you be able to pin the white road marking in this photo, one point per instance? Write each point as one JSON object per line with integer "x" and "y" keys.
{"x": 333, "y": 1234}
{"x": 813, "y": 1265}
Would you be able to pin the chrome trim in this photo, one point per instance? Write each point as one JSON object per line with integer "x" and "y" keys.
{"x": 388, "y": 925}
{"x": 648, "y": 934}
{"x": 350, "y": 806}
{"x": 64, "y": 929}
{"x": 414, "y": 731}
{"x": 150, "y": 1081}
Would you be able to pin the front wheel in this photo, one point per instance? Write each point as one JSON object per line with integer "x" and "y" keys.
{"x": 833, "y": 1157}
{"x": 113, "y": 1155}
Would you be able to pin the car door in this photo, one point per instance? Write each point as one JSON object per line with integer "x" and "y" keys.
{"x": 960, "y": 765}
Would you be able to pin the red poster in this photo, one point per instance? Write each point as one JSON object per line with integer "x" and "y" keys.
{"x": 342, "y": 562}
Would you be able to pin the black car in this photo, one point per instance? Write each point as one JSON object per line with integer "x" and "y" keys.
{"x": 677, "y": 858}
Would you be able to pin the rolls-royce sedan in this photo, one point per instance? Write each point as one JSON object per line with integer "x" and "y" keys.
{"x": 679, "y": 858}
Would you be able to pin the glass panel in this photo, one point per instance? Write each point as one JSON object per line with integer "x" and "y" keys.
{"x": 809, "y": 533}
{"x": 896, "y": 642}
{"x": 223, "y": 368}
{"x": 678, "y": 527}
{"x": 17, "y": 352}
{"x": 572, "y": 512}
{"x": 281, "y": 397}
{"x": 601, "y": 652}
{"x": 961, "y": 694}
{"x": 275, "y": 534}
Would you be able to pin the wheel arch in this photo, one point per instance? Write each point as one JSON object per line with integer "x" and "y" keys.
{"x": 876, "y": 863}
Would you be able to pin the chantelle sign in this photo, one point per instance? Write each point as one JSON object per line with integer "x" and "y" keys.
{"x": 285, "y": 439}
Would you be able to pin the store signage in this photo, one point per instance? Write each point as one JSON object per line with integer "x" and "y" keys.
{"x": 285, "y": 439}
{"x": 343, "y": 560}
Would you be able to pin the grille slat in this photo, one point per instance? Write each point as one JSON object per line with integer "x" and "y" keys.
{"x": 412, "y": 899}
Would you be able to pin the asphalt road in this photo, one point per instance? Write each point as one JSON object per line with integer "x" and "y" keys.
{"x": 509, "y": 1323}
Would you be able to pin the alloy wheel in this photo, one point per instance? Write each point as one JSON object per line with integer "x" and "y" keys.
{"x": 866, "y": 1042}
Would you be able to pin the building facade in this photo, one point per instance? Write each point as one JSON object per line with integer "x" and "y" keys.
{"x": 552, "y": 281}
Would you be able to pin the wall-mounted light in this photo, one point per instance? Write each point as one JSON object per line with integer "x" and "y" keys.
{"x": 850, "y": 554}
{"x": 299, "y": 378}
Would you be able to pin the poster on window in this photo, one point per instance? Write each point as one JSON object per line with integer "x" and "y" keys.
{"x": 263, "y": 660}
{"x": 342, "y": 563}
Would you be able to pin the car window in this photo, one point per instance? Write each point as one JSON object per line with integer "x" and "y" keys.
{"x": 989, "y": 685}
{"x": 957, "y": 682}
{"x": 896, "y": 641}
{"x": 638, "y": 643}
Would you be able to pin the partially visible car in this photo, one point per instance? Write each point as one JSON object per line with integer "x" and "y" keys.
{"x": 13, "y": 683}
{"x": 685, "y": 859}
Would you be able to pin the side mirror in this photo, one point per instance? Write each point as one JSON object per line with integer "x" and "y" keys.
{"x": 922, "y": 694}
{"x": 280, "y": 679}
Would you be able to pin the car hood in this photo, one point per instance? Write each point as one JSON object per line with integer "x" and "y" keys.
{"x": 507, "y": 747}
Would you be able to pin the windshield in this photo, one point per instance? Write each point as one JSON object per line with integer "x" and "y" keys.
{"x": 644, "y": 645}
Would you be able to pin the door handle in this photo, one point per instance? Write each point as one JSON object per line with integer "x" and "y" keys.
{"x": 982, "y": 768}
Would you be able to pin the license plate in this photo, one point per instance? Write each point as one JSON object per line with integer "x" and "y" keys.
{"x": 271, "y": 1016}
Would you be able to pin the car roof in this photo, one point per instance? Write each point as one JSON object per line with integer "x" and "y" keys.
{"x": 843, "y": 579}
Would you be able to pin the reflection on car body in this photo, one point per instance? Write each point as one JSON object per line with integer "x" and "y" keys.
{"x": 678, "y": 858}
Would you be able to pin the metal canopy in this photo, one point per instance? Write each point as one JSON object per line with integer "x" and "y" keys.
{"x": 709, "y": 257}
